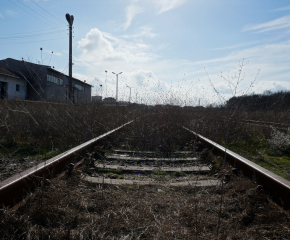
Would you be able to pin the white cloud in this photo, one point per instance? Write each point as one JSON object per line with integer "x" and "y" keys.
{"x": 166, "y": 5}
{"x": 100, "y": 51}
{"x": 10, "y": 13}
{"x": 145, "y": 32}
{"x": 273, "y": 86}
{"x": 157, "y": 79}
{"x": 106, "y": 48}
{"x": 279, "y": 23}
{"x": 131, "y": 11}
{"x": 1, "y": 15}
{"x": 281, "y": 9}
{"x": 236, "y": 46}
{"x": 58, "y": 54}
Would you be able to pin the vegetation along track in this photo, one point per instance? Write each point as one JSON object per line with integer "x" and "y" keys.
{"x": 151, "y": 179}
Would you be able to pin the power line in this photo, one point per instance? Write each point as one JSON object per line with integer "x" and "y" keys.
{"x": 44, "y": 30}
{"x": 38, "y": 13}
{"x": 64, "y": 68}
{"x": 47, "y": 11}
{"x": 33, "y": 35}
{"x": 57, "y": 33}
{"x": 21, "y": 42}
{"x": 26, "y": 11}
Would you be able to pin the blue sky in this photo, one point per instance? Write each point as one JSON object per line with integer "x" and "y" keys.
{"x": 168, "y": 50}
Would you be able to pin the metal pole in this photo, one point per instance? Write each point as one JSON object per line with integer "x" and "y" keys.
{"x": 41, "y": 55}
{"x": 70, "y": 19}
{"x": 106, "y": 83}
{"x": 130, "y": 94}
{"x": 70, "y": 63}
{"x": 117, "y": 85}
{"x": 101, "y": 85}
{"x": 117, "y": 88}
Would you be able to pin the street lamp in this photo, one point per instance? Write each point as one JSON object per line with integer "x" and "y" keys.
{"x": 101, "y": 86}
{"x": 136, "y": 97}
{"x": 130, "y": 94}
{"x": 106, "y": 82}
{"x": 117, "y": 85}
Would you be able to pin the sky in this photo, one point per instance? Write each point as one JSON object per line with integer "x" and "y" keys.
{"x": 169, "y": 51}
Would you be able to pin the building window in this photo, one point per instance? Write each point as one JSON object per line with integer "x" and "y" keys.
{"x": 54, "y": 79}
{"x": 17, "y": 87}
{"x": 79, "y": 87}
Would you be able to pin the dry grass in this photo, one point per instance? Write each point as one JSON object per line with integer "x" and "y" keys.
{"x": 72, "y": 209}
{"x": 56, "y": 125}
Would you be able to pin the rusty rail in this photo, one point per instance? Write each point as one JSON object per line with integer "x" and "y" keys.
{"x": 278, "y": 186}
{"x": 269, "y": 123}
{"x": 13, "y": 188}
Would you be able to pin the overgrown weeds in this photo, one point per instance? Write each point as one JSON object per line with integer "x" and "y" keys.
{"x": 73, "y": 209}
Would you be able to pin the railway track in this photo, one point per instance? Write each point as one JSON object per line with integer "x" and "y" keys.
{"x": 278, "y": 186}
{"x": 141, "y": 166}
{"x": 163, "y": 188}
{"x": 13, "y": 188}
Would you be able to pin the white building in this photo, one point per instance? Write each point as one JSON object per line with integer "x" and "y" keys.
{"x": 12, "y": 86}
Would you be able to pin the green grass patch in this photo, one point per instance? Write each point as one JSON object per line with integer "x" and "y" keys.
{"x": 161, "y": 178}
{"x": 177, "y": 174}
{"x": 48, "y": 155}
{"x": 105, "y": 170}
{"x": 257, "y": 149}
{"x": 27, "y": 150}
{"x": 216, "y": 167}
{"x": 159, "y": 173}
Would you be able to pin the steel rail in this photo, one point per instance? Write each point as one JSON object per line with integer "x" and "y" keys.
{"x": 261, "y": 125}
{"x": 13, "y": 188}
{"x": 278, "y": 186}
{"x": 269, "y": 123}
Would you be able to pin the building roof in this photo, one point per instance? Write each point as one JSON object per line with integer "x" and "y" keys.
{"x": 4, "y": 71}
{"x": 109, "y": 98}
{"x": 75, "y": 79}
{"x": 46, "y": 66}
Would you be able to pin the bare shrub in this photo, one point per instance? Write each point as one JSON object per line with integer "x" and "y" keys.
{"x": 280, "y": 141}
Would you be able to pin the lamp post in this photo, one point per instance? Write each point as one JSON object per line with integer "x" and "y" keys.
{"x": 106, "y": 82}
{"x": 101, "y": 86}
{"x": 117, "y": 85}
{"x": 130, "y": 94}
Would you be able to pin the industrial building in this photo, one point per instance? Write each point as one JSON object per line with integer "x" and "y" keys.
{"x": 45, "y": 83}
{"x": 97, "y": 98}
{"x": 12, "y": 86}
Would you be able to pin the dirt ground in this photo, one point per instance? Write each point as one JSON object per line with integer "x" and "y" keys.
{"x": 71, "y": 208}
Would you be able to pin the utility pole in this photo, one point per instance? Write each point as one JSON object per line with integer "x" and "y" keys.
{"x": 41, "y": 55}
{"x": 106, "y": 82}
{"x": 101, "y": 86}
{"x": 117, "y": 85}
{"x": 129, "y": 95}
{"x": 70, "y": 20}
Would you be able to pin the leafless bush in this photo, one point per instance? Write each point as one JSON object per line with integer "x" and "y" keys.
{"x": 56, "y": 125}
{"x": 280, "y": 141}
